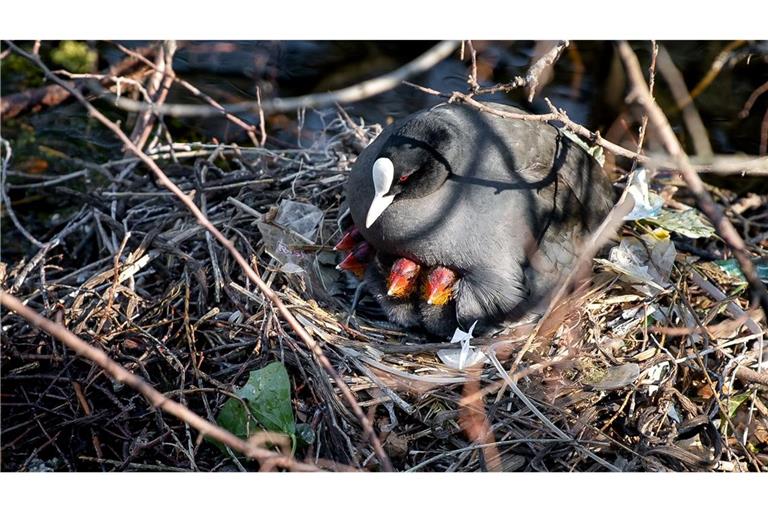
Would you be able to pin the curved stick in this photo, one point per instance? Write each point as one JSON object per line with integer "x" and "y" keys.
{"x": 349, "y": 94}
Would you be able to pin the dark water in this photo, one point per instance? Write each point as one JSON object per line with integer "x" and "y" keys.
{"x": 588, "y": 82}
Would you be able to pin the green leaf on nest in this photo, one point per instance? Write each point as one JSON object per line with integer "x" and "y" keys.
{"x": 735, "y": 401}
{"x": 689, "y": 223}
{"x": 264, "y": 404}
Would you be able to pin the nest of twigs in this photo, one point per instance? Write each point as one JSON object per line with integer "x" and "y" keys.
{"x": 597, "y": 386}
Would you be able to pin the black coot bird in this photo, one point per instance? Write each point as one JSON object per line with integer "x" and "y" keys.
{"x": 502, "y": 205}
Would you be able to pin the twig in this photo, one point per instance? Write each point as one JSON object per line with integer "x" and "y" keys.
{"x": 472, "y": 78}
{"x": 159, "y": 85}
{"x": 751, "y": 376}
{"x": 545, "y": 62}
{"x": 249, "y": 128}
{"x": 557, "y": 115}
{"x": 229, "y": 245}
{"x": 764, "y": 134}
{"x": 723, "y": 226}
{"x": 157, "y": 399}
{"x": 752, "y": 99}
{"x": 651, "y": 83}
{"x": 6, "y": 158}
{"x": 262, "y": 122}
{"x": 721, "y": 164}
{"x": 350, "y": 94}
{"x": 714, "y": 70}
{"x": 691, "y": 117}
{"x": 474, "y": 421}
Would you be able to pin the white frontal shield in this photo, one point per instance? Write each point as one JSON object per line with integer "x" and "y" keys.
{"x": 383, "y": 172}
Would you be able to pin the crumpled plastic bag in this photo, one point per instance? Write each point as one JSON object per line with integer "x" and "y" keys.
{"x": 295, "y": 225}
{"x": 301, "y": 218}
{"x": 647, "y": 203}
{"x": 648, "y": 206}
{"x": 464, "y": 357}
{"x": 646, "y": 262}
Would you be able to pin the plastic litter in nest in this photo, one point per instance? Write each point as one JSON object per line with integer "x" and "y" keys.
{"x": 295, "y": 225}
{"x": 645, "y": 262}
{"x": 464, "y": 357}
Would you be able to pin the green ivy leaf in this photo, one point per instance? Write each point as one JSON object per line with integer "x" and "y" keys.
{"x": 689, "y": 223}
{"x": 265, "y": 404}
{"x": 735, "y": 401}
{"x": 75, "y": 56}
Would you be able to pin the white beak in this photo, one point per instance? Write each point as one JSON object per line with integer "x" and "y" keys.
{"x": 383, "y": 172}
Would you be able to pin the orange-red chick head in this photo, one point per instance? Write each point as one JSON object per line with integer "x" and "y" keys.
{"x": 351, "y": 238}
{"x": 357, "y": 260}
{"x": 438, "y": 288}
{"x": 403, "y": 277}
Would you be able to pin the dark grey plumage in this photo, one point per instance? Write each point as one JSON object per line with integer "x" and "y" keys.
{"x": 439, "y": 320}
{"x": 505, "y": 203}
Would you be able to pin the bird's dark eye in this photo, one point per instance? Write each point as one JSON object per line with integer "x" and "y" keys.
{"x": 404, "y": 178}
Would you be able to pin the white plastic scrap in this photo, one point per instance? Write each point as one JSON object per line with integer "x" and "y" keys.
{"x": 295, "y": 224}
{"x": 655, "y": 375}
{"x": 301, "y": 218}
{"x": 647, "y": 203}
{"x": 464, "y": 357}
{"x": 673, "y": 414}
{"x": 646, "y": 262}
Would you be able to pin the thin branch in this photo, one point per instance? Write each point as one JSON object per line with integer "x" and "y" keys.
{"x": 6, "y": 158}
{"x": 717, "y": 65}
{"x": 651, "y": 83}
{"x": 722, "y": 164}
{"x": 159, "y": 85}
{"x": 472, "y": 78}
{"x": 229, "y": 245}
{"x": 544, "y": 63}
{"x": 691, "y": 117}
{"x": 752, "y": 99}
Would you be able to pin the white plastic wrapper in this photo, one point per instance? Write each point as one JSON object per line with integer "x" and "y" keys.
{"x": 647, "y": 261}
{"x": 647, "y": 204}
{"x": 295, "y": 224}
{"x": 301, "y": 218}
{"x": 463, "y": 357}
